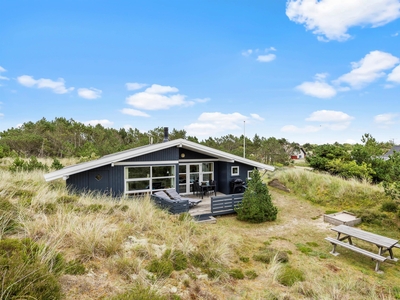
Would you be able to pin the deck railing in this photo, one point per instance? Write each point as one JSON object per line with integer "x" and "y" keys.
{"x": 223, "y": 205}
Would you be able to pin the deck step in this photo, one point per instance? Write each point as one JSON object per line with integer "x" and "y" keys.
{"x": 205, "y": 218}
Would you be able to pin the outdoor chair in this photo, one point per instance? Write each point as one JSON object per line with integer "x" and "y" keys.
{"x": 175, "y": 195}
{"x": 196, "y": 188}
{"x": 163, "y": 195}
{"x": 212, "y": 187}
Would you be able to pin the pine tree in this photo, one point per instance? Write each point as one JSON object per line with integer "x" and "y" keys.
{"x": 256, "y": 206}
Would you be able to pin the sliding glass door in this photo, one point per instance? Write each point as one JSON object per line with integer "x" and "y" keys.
{"x": 189, "y": 173}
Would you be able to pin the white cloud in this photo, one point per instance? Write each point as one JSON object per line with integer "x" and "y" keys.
{"x": 329, "y": 116}
{"x": 331, "y": 19}
{"x": 257, "y": 117}
{"x": 2, "y": 70}
{"x": 214, "y": 123}
{"x": 327, "y": 119}
{"x": 317, "y": 89}
{"x": 295, "y": 129}
{"x": 104, "y": 123}
{"x": 337, "y": 126}
{"x": 90, "y": 93}
{"x": 58, "y": 86}
{"x": 385, "y": 119}
{"x": 153, "y": 98}
{"x": 368, "y": 69}
{"x": 247, "y": 52}
{"x": 395, "y": 75}
{"x": 161, "y": 89}
{"x": 131, "y": 86}
{"x": 266, "y": 58}
{"x": 26, "y": 80}
{"x": 350, "y": 141}
{"x": 134, "y": 112}
{"x": 321, "y": 76}
{"x": 201, "y": 100}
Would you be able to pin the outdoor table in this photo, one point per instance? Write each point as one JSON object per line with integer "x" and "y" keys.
{"x": 383, "y": 243}
{"x": 205, "y": 188}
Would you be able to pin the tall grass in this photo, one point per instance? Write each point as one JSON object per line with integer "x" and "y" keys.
{"x": 117, "y": 240}
{"x": 330, "y": 191}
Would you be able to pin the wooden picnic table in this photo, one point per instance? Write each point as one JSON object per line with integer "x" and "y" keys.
{"x": 383, "y": 243}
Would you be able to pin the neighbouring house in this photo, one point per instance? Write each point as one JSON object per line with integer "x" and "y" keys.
{"x": 390, "y": 152}
{"x": 298, "y": 154}
{"x": 171, "y": 164}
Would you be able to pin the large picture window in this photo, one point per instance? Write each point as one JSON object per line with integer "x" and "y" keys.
{"x": 146, "y": 179}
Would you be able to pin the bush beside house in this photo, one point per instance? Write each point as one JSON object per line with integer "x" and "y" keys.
{"x": 256, "y": 206}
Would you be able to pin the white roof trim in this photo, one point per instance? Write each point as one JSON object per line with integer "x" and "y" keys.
{"x": 120, "y": 156}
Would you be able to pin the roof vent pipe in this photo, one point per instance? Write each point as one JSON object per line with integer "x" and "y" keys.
{"x": 165, "y": 134}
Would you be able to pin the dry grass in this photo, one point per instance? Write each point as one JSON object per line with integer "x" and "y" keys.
{"x": 116, "y": 240}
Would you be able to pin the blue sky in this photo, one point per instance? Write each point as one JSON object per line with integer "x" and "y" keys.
{"x": 309, "y": 71}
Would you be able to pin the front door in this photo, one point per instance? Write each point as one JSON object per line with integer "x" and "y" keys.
{"x": 99, "y": 181}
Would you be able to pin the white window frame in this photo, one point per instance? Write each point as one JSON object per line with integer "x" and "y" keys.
{"x": 149, "y": 178}
{"x": 236, "y": 173}
{"x": 248, "y": 174}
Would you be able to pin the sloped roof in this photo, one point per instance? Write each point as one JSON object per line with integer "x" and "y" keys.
{"x": 395, "y": 148}
{"x": 135, "y": 152}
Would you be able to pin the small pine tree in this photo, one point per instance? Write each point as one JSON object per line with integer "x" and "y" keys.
{"x": 56, "y": 164}
{"x": 256, "y": 206}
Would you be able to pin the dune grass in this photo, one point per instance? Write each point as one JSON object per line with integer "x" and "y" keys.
{"x": 114, "y": 248}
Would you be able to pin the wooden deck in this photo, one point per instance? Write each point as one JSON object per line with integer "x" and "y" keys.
{"x": 204, "y": 207}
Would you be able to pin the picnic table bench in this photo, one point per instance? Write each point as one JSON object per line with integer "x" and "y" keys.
{"x": 383, "y": 243}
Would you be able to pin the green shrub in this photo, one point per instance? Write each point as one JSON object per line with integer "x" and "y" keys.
{"x": 56, "y": 165}
{"x": 139, "y": 292}
{"x": 236, "y": 274}
{"x": 75, "y": 267}
{"x": 304, "y": 248}
{"x": 214, "y": 273}
{"x": 179, "y": 260}
{"x": 8, "y": 215}
{"x": 20, "y": 165}
{"x": 160, "y": 267}
{"x": 251, "y": 274}
{"x": 244, "y": 259}
{"x": 25, "y": 195}
{"x": 48, "y": 208}
{"x": 256, "y": 206}
{"x": 266, "y": 255}
{"x": 23, "y": 273}
{"x": 124, "y": 208}
{"x": 289, "y": 276}
{"x": 66, "y": 199}
{"x": 94, "y": 208}
{"x": 184, "y": 216}
{"x": 371, "y": 216}
{"x": 389, "y": 206}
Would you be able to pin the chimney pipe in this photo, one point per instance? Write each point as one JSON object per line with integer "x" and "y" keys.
{"x": 165, "y": 134}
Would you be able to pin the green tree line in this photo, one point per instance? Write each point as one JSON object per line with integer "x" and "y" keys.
{"x": 68, "y": 138}
{"x": 362, "y": 161}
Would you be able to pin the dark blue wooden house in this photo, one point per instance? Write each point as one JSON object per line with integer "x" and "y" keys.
{"x": 171, "y": 164}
